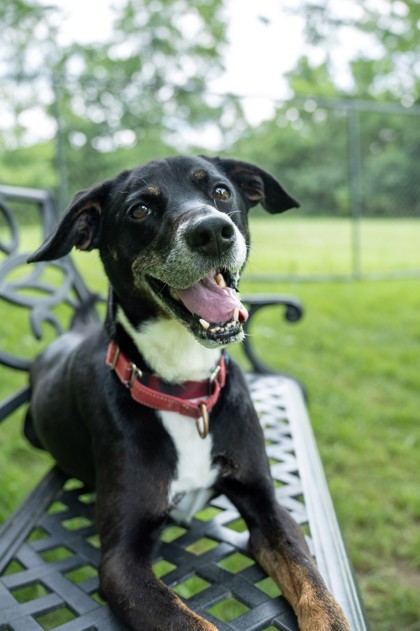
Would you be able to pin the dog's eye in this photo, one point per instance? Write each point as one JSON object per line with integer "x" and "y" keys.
{"x": 221, "y": 193}
{"x": 140, "y": 212}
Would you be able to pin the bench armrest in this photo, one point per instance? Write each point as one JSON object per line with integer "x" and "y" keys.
{"x": 293, "y": 312}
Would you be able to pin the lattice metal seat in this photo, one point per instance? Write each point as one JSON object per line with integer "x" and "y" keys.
{"x": 49, "y": 550}
{"x": 48, "y": 562}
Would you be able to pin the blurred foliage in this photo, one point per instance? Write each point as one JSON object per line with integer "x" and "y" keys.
{"x": 387, "y": 36}
{"x": 142, "y": 91}
{"x": 306, "y": 145}
{"x": 124, "y": 96}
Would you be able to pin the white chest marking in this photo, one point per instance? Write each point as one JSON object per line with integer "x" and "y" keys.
{"x": 191, "y": 488}
{"x": 175, "y": 355}
{"x": 171, "y": 350}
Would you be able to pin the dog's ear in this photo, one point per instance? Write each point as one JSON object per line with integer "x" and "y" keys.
{"x": 257, "y": 186}
{"x": 80, "y": 226}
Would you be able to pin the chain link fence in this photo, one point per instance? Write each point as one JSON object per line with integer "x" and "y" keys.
{"x": 384, "y": 189}
{"x": 353, "y": 164}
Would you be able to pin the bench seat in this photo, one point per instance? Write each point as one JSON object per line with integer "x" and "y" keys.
{"x": 49, "y": 550}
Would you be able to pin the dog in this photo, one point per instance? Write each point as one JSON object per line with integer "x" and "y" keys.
{"x": 148, "y": 409}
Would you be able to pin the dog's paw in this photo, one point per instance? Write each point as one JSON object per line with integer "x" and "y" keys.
{"x": 199, "y": 624}
{"x": 321, "y": 614}
{"x": 190, "y": 621}
{"x": 208, "y": 626}
{"x": 204, "y": 625}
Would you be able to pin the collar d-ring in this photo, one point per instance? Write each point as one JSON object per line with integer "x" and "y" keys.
{"x": 202, "y": 422}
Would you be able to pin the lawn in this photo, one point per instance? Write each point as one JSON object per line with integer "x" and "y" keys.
{"x": 357, "y": 351}
{"x": 311, "y": 247}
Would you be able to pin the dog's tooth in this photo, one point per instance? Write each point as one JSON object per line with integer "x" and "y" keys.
{"x": 231, "y": 324}
{"x": 174, "y": 294}
{"x": 236, "y": 314}
{"x": 219, "y": 278}
{"x": 215, "y": 329}
{"x": 204, "y": 324}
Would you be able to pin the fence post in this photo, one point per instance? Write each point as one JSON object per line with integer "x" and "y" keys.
{"x": 60, "y": 148}
{"x": 355, "y": 172}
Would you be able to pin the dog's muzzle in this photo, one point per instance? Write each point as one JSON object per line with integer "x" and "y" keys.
{"x": 197, "y": 281}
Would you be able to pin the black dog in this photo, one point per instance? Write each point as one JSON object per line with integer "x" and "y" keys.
{"x": 173, "y": 238}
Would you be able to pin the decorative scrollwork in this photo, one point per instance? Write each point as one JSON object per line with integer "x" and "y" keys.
{"x": 11, "y": 247}
{"x": 293, "y": 312}
{"x": 39, "y": 288}
{"x": 29, "y": 286}
{"x": 39, "y": 316}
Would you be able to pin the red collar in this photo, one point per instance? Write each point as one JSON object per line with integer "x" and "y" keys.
{"x": 160, "y": 395}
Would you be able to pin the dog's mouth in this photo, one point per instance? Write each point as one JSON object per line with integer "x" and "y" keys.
{"x": 210, "y": 308}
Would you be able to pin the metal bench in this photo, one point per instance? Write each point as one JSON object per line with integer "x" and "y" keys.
{"x": 49, "y": 550}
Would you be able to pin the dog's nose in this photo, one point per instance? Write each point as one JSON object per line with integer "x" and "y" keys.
{"x": 212, "y": 235}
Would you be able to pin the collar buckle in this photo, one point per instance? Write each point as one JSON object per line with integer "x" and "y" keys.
{"x": 116, "y": 354}
{"x": 135, "y": 372}
{"x": 214, "y": 374}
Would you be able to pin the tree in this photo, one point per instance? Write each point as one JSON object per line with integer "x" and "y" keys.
{"x": 297, "y": 147}
{"x": 388, "y": 46}
{"x": 308, "y": 143}
{"x": 136, "y": 90}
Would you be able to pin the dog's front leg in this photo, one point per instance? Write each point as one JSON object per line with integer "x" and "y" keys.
{"x": 141, "y": 600}
{"x": 280, "y": 548}
{"x": 131, "y": 509}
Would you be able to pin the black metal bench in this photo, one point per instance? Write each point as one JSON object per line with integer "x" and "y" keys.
{"x": 49, "y": 549}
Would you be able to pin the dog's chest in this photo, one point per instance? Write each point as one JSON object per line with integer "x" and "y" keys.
{"x": 194, "y": 478}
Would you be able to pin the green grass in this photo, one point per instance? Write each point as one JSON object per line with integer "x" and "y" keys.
{"x": 289, "y": 245}
{"x": 357, "y": 351}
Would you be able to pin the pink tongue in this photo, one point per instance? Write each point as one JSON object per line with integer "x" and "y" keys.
{"x": 211, "y": 302}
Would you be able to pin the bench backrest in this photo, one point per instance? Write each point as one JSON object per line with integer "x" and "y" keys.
{"x": 47, "y": 293}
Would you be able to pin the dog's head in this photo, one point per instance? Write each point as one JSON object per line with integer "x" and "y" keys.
{"x": 173, "y": 234}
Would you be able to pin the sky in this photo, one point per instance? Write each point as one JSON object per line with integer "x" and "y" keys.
{"x": 265, "y": 40}
{"x": 264, "y": 43}
{"x": 250, "y": 39}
